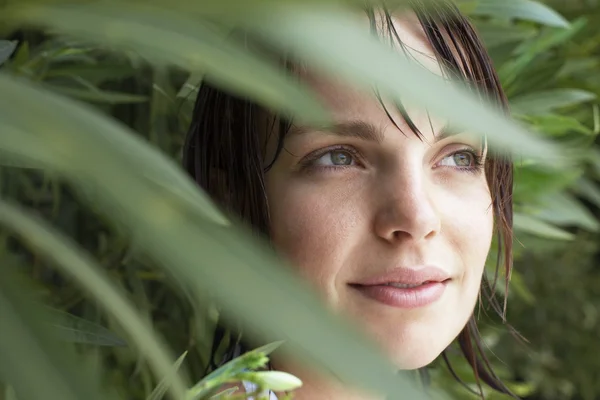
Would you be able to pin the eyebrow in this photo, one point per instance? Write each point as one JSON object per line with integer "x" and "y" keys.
{"x": 362, "y": 130}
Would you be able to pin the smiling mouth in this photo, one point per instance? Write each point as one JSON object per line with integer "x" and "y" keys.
{"x": 405, "y": 285}
{"x": 404, "y": 295}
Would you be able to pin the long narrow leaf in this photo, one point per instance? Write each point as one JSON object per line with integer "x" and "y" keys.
{"x": 128, "y": 153}
{"x": 88, "y": 274}
{"x": 162, "y": 387}
{"x": 243, "y": 276}
{"x": 527, "y": 10}
{"x": 33, "y": 361}
{"x": 6, "y": 50}
{"x": 341, "y": 46}
{"x": 172, "y": 38}
{"x": 77, "y": 330}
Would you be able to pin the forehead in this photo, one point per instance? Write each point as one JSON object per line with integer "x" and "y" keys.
{"x": 345, "y": 101}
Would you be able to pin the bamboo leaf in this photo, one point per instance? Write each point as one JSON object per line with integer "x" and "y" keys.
{"x": 555, "y": 124}
{"x": 334, "y": 43}
{"x": 89, "y": 275}
{"x": 98, "y": 96}
{"x": 590, "y": 190}
{"x": 78, "y": 330}
{"x": 538, "y": 227}
{"x": 527, "y": 10}
{"x": 563, "y": 209}
{"x": 167, "y": 37}
{"x": 6, "y": 50}
{"x": 494, "y": 34}
{"x": 549, "y": 100}
{"x": 127, "y": 154}
{"x": 162, "y": 387}
{"x": 29, "y": 352}
{"x": 226, "y": 263}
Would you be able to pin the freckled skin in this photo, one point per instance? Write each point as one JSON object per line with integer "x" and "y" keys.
{"x": 402, "y": 204}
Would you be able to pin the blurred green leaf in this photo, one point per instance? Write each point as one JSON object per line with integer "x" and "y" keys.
{"x": 98, "y": 96}
{"x": 80, "y": 267}
{"x": 107, "y": 133}
{"x": 241, "y": 274}
{"x": 495, "y": 34}
{"x": 563, "y": 209}
{"x": 556, "y": 125}
{"x": 525, "y": 55}
{"x": 339, "y": 45}
{"x": 527, "y": 10}
{"x": 95, "y": 74}
{"x": 22, "y": 56}
{"x": 190, "y": 43}
{"x": 590, "y": 190}
{"x": 519, "y": 287}
{"x": 78, "y": 330}
{"x": 30, "y": 354}
{"x": 532, "y": 225}
{"x": 6, "y": 50}
{"x": 549, "y": 100}
{"x": 162, "y": 387}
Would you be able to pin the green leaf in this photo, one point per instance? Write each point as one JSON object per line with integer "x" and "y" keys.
{"x": 95, "y": 74}
{"x": 339, "y": 45}
{"x": 90, "y": 276}
{"x": 549, "y": 100}
{"x": 563, "y": 209}
{"x": 162, "y": 387}
{"x": 6, "y": 50}
{"x": 590, "y": 190}
{"x": 527, "y": 10}
{"x": 234, "y": 268}
{"x": 33, "y": 362}
{"x": 167, "y": 37}
{"x": 557, "y": 125}
{"x": 495, "y": 34}
{"x": 538, "y": 227}
{"x": 531, "y": 50}
{"x": 98, "y": 96}
{"x": 78, "y": 330}
{"x": 106, "y": 134}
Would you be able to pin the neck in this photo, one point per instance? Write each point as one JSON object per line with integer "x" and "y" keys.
{"x": 320, "y": 387}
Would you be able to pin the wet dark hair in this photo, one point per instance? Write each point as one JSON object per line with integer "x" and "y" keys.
{"x": 224, "y": 153}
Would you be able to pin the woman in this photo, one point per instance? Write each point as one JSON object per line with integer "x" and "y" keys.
{"x": 387, "y": 214}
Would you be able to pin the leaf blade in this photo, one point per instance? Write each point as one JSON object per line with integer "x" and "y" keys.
{"x": 527, "y": 10}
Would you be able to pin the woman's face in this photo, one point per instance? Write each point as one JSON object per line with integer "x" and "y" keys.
{"x": 393, "y": 231}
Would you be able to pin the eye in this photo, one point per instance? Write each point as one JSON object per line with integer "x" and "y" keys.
{"x": 336, "y": 158}
{"x": 460, "y": 159}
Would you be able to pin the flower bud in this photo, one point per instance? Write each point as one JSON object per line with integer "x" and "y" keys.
{"x": 278, "y": 381}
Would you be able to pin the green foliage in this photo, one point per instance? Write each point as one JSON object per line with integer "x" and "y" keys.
{"x": 94, "y": 103}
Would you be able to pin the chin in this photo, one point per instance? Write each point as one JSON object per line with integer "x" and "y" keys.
{"x": 415, "y": 360}
{"x": 416, "y": 348}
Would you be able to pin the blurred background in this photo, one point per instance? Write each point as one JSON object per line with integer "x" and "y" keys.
{"x": 548, "y": 57}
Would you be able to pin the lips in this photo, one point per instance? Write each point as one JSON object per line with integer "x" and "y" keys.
{"x": 405, "y": 287}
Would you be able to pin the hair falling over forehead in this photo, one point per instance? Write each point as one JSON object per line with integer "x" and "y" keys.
{"x": 224, "y": 154}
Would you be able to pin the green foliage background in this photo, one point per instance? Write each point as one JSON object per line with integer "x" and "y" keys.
{"x": 549, "y": 63}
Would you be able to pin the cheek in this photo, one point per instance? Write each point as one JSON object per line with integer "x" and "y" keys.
{"x": 314, "y": 231}
{"x": 470, "y": 226}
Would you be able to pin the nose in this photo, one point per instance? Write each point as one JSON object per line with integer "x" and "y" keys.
{"x": 407, "y": 210}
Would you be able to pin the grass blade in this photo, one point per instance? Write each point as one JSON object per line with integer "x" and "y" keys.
{"x": 6, "y": 49}
{"x": 129, "y": 151}
{"x": 242, "y": 274}
{"x": 174, "y": 38}
{"x": 527, "y": 10}
{"x": 77, "y": 330}
{"x": 162, "y": 387}
{"x": 89, "y": 275}
{"x": 29, "y": 351}
{"x": 340, "y": 46}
